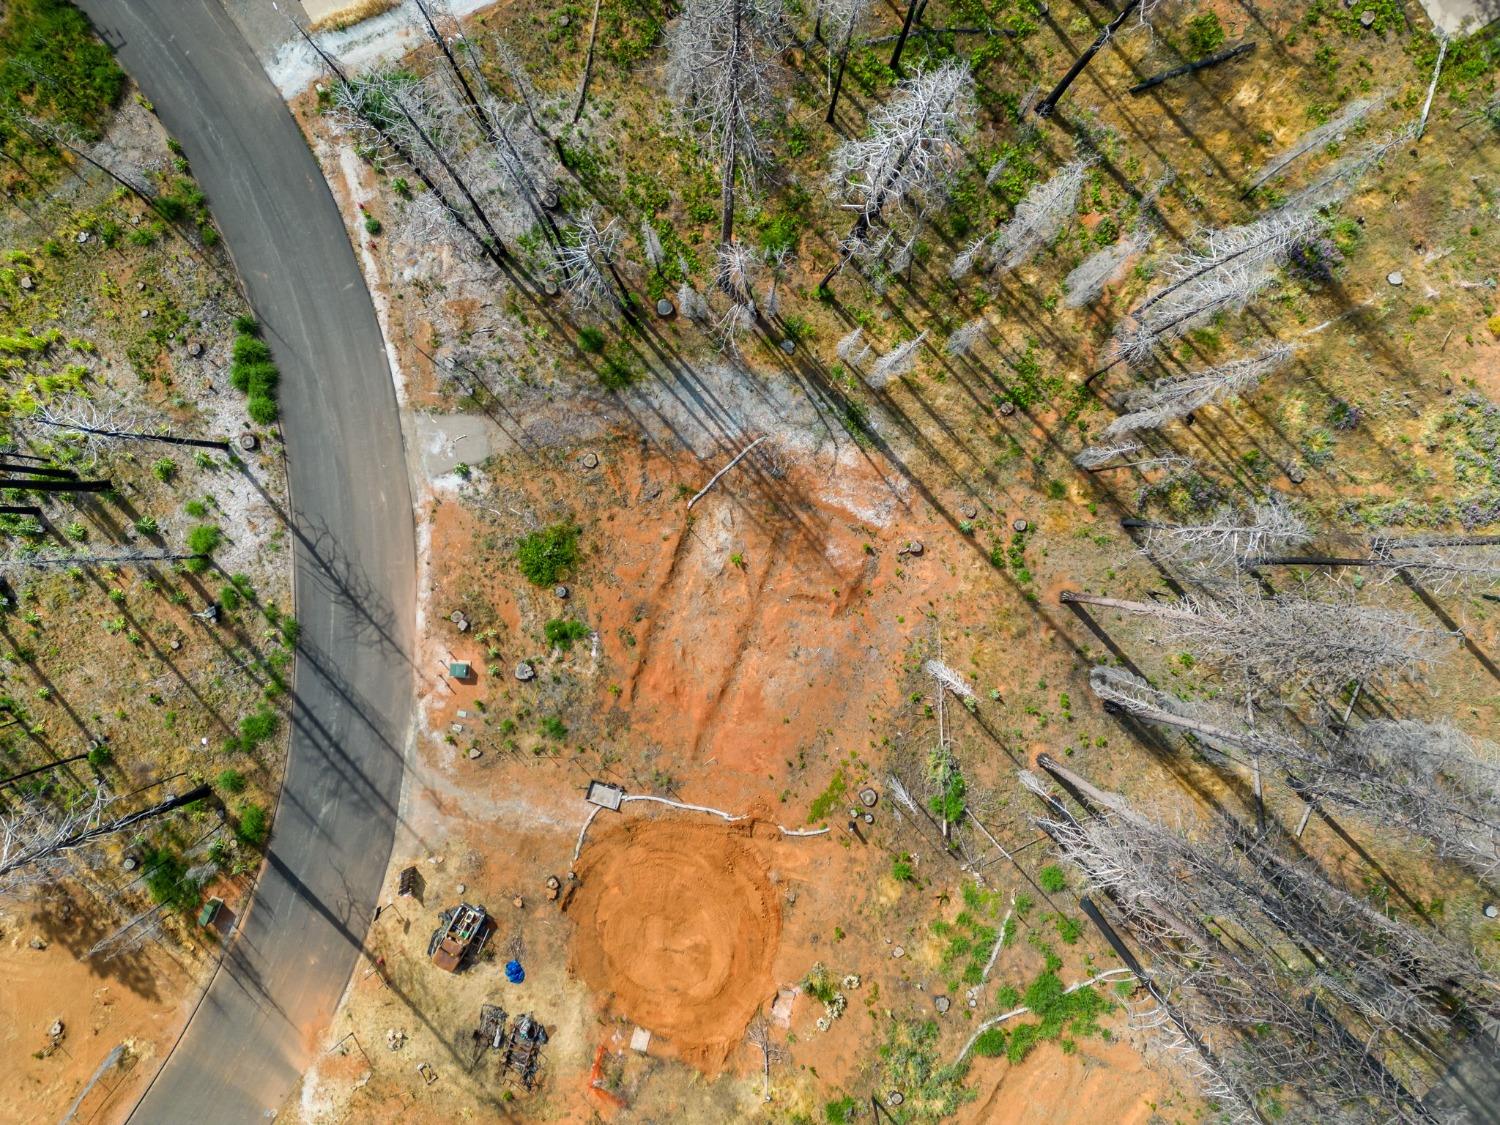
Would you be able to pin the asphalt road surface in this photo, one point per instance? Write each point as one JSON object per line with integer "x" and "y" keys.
{"x": 258, "y": 1027}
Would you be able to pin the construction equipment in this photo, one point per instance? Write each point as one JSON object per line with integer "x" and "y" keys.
{"x": 461, "y": 933}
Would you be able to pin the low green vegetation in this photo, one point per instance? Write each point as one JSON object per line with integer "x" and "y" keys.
{"x": 546, "y": 556}
{"x": 52, "y": 66}
{"x": 202, "y": 541}
{"x": 1061, "y": 1016}
{"x": 563, "y": 631}
{"x": 257, "y": 727}
{"x": 254, "y": 825}
{"x": 969, "y": 939}
{"x": 826, "y": 801}
{"x": 253, "y": 372}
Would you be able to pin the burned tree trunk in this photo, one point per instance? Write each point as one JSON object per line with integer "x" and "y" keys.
{"x": 1045, "y": 107}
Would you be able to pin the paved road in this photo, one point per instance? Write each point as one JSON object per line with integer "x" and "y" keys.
{"x": 254, "y": 1034}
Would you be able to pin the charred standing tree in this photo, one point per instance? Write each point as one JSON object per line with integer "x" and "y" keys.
{"x": 49, "y": 480}
{"x": 489, "y": 118}
{"x": 1045, "y": 107}
{"x": 913, "y": 14}
{"x": 719, "y": 69}
{"x": 1300, "y": 988}
{"x": 1429, "y": 780}
{"x": 905, "y": 163}
{"x": 382, "y": 107}
{"x": 94, "y": 425}
{"x": 34, "y": 839}
{"x": 1444, "y": 564}
{"x": 843, "y": 18}
{"x": 1230, "y": 540}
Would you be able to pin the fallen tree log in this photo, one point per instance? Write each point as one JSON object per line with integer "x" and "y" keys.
{"x": 1192, "y": 67}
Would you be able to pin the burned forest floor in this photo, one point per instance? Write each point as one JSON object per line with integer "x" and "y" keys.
{"x": 756, "y": 645}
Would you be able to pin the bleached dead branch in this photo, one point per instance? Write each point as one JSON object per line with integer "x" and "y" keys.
{"x": 1039, "y": 216}
{"x": 1166, "y": 399}
{"x": 1229, "y": 538}
{"x": 1285, "y": 641}
{"x": 895, "y": 363}
{"x": 1331, "y": 130}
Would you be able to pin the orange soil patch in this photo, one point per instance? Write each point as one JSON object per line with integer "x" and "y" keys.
{"x": 677, "y": 923}
{"x": 134, "y": 1000}
{"x": 1104, "y": 1081}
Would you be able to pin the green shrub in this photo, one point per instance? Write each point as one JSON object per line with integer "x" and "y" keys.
{"x": 372, "y": 225}
{"x": 591, "y": 340}
{"x": 553, "y": 727}
{"x": 164, "y": 469}
{"x": 232, "y": 782}
{"x": 991, "y": 1043}
{"x": 262, "y": 410}
{"x": 251, "y": 349}
{"x": 204, "y": 539}
{"x": 147, "y": 525}
{"x": 1205, "y": 34}
{"x": 256, "y": 728}
{"x": 902, "y": 869}
{"x": 545, "y": 556}
{"x": 229, "y": 598}
{"x": 167, "y": 880}
{"x": 563, "y": 631}
{"x": 254, "y": 373}
{"x": 99, "y": 755}
{"x": 254, "y": 825}
{"x": 1052, "y": 879}
{"x": 255, "y": 378}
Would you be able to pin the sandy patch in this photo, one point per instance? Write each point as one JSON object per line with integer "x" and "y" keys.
{"x": 1105, "y": 1081}
{"x": 677, "y": 924}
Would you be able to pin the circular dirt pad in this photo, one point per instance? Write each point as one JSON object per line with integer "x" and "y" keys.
{"x": 677, "y": 923}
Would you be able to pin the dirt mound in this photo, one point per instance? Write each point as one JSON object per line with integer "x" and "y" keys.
{"x": 677, "y": 923}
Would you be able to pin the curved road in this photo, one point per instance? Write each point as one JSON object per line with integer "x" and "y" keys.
{"x": 258, "y": 1026}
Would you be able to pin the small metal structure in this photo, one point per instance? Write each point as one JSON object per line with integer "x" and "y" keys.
{"x": 210, "y": 911}
{"x": 460, "y": 934}
{"x": 605, "y": 795}
{"x": 523, "y": 1049}
{"x": 410, "y": 884}
{"x": 492, "y": 1026}
{"x": 460, "y": 670}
